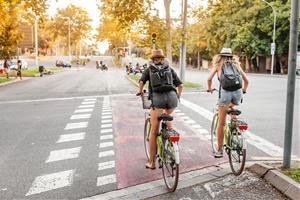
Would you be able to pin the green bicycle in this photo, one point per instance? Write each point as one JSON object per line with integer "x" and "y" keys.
{"x": 235, "y": 143}
{"x": 167, "y": 147}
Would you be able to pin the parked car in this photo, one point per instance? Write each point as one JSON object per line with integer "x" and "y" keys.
{"x": 63, "y": 63}
{"x": 13, "y": 64}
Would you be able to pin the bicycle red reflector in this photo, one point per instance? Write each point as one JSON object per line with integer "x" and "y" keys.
{"x": 174, "y": 138}
{"x": 243, "y": 127}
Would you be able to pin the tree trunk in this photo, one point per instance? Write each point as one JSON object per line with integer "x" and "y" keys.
{"x": 169, "y": 33}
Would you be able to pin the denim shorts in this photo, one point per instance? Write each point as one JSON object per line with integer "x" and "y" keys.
{"x": 164, "y": 100}
{"x": 227, "y": 97}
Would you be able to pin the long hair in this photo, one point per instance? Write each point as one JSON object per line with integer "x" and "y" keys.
{"x": 219, "y": 60}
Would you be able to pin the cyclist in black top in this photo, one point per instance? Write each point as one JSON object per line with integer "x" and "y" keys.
{"x": 164, "y": 90}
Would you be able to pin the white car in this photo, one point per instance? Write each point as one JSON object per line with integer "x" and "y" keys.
{"x": 13, "y": 65}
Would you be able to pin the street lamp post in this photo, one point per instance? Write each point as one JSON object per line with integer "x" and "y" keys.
{"x": 273, "y": 45}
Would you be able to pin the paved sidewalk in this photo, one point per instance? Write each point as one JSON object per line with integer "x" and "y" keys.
{"x": 215, "y": 182}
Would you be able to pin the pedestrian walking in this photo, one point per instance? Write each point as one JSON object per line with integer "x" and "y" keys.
{"x": 19, "y": 69}
{"x": 6, "y": 68}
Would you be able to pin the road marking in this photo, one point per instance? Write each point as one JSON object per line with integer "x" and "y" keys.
{"x": 71, "y": 137}
{"x": 104, "y": 180}
{"x": 258, "y": 142}
{"x": 196, "y": 126}
{"x": 106, "y": 113}
{"x": 63, "y": 154}
{"x": 106, "y": 131}
{"x": 77, "y": 125}
{"x": 106, "y": 144}
{"x": 106, "y": 121}
{"x": 86, "y": 106}
{"x": 88, "y": 102}
{"x": 203, "y": 131}
{"x": 190, "y": 121}
{"x": 51, "y": 181}
{"x": 180, "y": 114}
{"x": 106, "y": 165}
{"x": 185, "y": 118}
{"x": 177, "y": 111}
{"x": 106, "y": 154}
{"x": 81, "y": 116}
{"x": 83, "y": 110}
{"x": 106, "y": 110}
{"x": 106, "y": 125}
{"x": 93, "y": 99}
{"x": 106, "y": 137}
{"x": 107, "y": 117}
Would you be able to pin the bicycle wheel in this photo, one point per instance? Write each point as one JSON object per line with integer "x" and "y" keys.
{"x": 213, "y": 132}
{"x": 147, "y": 129}
{"x": 169, "y": 168}
{"x": 237, "y": 155}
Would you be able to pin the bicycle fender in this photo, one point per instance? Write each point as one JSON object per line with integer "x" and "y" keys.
{"x": 176, "y": 152}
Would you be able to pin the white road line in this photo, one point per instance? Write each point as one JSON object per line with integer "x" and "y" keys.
{"x": 81, "y": 116}
{"x": 185, "y": 118}
{"x": 190, "y": 121}
{"x": 106, "y": 144}
{"x": 179, "y": 114}
{"x": 196, "y": 126}
{"x": 71, "y": 137}
{"x": 104, "y": 180}
{"x": 77, "y": 125}
{"x": 107, "y": 117}
{"x": 106, "y": 110}
{"x": 106, "y": 121}
{"x": 106, "y": 125}
{"x": 51, "y": 181}
{"x": 88, "y": 102}
{"x": 93, "y": 99}
{"x": 106, "y": 131}
{"x": 106, "y": 113}
{"x": 63, "y": 154}
{"x": 106, "y": 154}
{"x": 106, "y": 137}
{"x": 106, "y": 165}
{"x": 86, "y": 106}
{"x": 258, "y": 142}
{"x": 203, "y": 131}
{"x": 83, "y": 110}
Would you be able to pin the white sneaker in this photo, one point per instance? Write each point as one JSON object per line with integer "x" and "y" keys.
{"x": 219, "y": 154}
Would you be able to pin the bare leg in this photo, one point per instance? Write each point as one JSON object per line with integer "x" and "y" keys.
{"x": 221, "y": 124}
{"x": 154, "y": 113}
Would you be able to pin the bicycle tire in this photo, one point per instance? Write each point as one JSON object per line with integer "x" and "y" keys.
{"x": 147, "y": 128}
{"x": 168, "y": 165}
{"x": 241, "y": 153}
{"x": 213, "y": 133}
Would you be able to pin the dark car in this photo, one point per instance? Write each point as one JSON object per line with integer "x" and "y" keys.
{"x": 63, "y": 63}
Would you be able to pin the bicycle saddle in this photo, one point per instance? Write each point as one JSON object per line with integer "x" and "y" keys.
{"x": 165, "y": 117}
{"x": 234, "y": 112}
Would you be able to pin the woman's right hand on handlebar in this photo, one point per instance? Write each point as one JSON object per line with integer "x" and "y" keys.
{"x": 140, "y": 93}
{"x": 211, "y": 90}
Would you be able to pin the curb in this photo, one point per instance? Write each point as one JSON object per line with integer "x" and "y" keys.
{"x": 158, "y": 187}
{"x": 281, "y": 182}
{"x": 15, "y": 81}
{"x": 132, "y": 81}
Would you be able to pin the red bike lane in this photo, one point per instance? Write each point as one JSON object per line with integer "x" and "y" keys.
{"x": 128, "y": 123}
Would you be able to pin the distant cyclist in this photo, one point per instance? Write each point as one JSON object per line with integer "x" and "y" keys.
{"x": 233, "y": 83}
{"x": 164, "y": 90}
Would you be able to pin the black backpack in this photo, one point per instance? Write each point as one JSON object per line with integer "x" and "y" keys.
{"x": 161, "y": 79}
{"x": 230, "y": 79}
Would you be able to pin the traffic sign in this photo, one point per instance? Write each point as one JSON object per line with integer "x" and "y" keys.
{"x": 273, "y": 48}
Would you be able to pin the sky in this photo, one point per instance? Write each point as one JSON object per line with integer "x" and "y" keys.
{"x": 92, "y": 9}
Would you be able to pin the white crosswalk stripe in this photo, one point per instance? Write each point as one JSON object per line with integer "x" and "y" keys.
{"x": 106, "y": 165}
{"x": 104, "y": 180}
{"x": 106, "y": 131}
{"x": 83, "y": 110}
{"x": 106, "y": 137}
{"x": 106, "y": 144}
{"x": 81, "y": 116}
{"x": 51, "y": 181}
{"x": 63, "y": 154}
{"x": 77, "y": 125}
{"x": 86, "y": 106}
{"x": 71, "y": 137}
{"x": 106, "y": 154}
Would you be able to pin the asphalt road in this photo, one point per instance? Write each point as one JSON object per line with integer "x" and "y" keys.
{"x": 78, "y": 133}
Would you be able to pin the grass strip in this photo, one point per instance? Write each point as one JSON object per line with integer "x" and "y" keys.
{"x": 4, "y": 80}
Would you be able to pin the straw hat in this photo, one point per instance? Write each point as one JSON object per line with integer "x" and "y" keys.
{"x": 226, "y": 52}
{"x": 158, "y": 53}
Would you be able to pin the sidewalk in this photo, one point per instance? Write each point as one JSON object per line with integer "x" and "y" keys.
{"x": 215, "y": 182}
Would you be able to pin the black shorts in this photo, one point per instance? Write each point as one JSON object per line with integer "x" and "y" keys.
{"x": 165, "y": 100}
